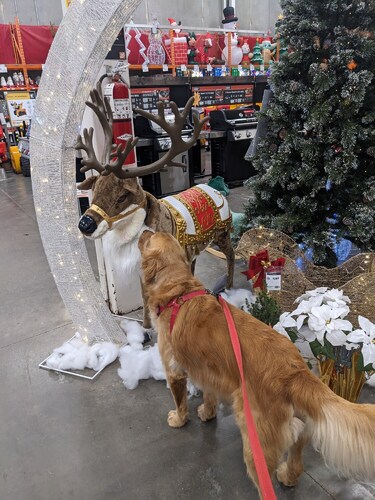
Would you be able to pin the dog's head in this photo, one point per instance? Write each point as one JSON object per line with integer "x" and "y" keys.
{"x": 160, "y": 252}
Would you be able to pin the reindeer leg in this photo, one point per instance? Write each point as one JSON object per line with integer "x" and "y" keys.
{"x": 146, "y": 312}
{"x": 193, "y": 262}
{"x": 223, "y": 241}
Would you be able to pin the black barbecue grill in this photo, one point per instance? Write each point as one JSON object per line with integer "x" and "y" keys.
{"x": 227, "y": 154}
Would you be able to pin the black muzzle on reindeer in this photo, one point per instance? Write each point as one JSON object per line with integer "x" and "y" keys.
{"x": 87, "y": 225}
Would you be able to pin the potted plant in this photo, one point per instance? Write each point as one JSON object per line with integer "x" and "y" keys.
{"x": 346, "y": 356}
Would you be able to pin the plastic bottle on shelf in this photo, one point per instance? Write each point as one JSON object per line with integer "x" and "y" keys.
{"x": 21, "y": 78}
{"x": 10, "y": 82}
{"x": 3, "y": 82}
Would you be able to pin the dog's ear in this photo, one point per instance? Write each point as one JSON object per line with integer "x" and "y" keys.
{"x": 144, "y": 239}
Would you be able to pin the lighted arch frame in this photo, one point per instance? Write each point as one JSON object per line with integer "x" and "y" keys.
{"x": 77, "y": 53}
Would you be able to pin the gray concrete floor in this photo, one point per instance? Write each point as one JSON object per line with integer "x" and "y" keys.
{"x": 64, "y": 438}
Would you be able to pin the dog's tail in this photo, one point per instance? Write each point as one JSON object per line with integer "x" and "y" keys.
{"x": 343, "y": 432}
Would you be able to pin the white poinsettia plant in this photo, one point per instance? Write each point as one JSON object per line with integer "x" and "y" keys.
{"x": 319, "y": 320}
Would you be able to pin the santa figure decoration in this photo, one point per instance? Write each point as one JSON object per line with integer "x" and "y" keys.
{"x": 173, "y": 23}
{"x": 207, "y": 45}
{"x": 230, "y": 22}
{"x": 179, "y": 42}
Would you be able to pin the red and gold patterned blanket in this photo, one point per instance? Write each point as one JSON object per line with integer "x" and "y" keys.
{"x": 198, "y": 212}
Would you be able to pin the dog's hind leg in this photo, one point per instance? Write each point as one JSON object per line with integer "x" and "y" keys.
{"x": 267, "y": 432}
{"x": 179, "y": 416}
{"x": 289, "y": 472}
{"x": 223, "y": 241}
{"x": 207, "y": 410}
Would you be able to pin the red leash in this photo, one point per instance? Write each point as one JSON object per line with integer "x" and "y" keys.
{"x": 265, "y": 483}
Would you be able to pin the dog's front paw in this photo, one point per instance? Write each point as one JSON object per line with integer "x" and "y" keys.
{"x": 285, "y": 477}
{"x": 174, "y": 420}
{"x": 206, "y": 413}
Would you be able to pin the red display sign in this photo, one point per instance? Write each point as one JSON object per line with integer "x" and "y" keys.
{"x": 147, "y": 98}
{"x": 225, "y": 94}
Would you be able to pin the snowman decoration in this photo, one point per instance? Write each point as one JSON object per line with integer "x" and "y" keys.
{"x": 230, "y": 22}
{"x": 155, "y": 51}
{"x": 247, "y": 54}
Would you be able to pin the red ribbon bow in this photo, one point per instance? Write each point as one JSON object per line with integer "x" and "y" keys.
{"x": 258, "y": 264}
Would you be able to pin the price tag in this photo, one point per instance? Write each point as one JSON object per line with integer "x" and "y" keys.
{"x": 82, "y": 193}
{"x": 209, "y": 67}
{"x": 240, "y": 68}
{"x": 145, "y": 68}
{"x": 165, "y": 67}
{"x": 183, "y": 67}
{"x": 3, "y": 68}
{"x": 273, "y": 281}
{"x": 196, "y": 68}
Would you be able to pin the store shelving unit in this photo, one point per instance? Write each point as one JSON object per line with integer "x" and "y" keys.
{"x": 20, "y": 64}
{"x": 171, "y": 55}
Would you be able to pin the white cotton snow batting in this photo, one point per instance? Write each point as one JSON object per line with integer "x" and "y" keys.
{"x": 102, "y": 354}
{"x": 135, "y": 333}
{"x": 75, "y": 354}
{"x": 139, "y": 365}
{"x": 371, "y": 381}
{"x": 193, "y": 391}
{"x": 238, "y": 297}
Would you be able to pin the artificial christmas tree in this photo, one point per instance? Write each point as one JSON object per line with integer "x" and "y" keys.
{"x": 257, "y": 51}
{"x": 316, "y": 164}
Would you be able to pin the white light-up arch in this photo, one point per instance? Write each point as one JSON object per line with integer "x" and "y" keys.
{"x": 83, "y": 40}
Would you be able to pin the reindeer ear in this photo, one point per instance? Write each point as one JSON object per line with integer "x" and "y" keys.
{"x": 132, "y": 185}
{"x": 88, "y": 183}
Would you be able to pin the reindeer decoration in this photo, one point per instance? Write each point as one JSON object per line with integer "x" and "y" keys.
{"x": 122, "y": 210}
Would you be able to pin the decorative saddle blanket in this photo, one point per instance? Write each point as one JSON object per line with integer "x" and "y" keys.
{"x": 198, "y": 212}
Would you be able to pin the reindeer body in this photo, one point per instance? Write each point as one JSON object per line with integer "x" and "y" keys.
{"x": 189, "y": 223}
{"x": 121, "y": 210}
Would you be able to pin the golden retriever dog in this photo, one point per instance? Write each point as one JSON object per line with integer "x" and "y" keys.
{"x": 290, "y": 405}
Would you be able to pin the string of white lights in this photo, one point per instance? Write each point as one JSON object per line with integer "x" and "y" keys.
{"x": 84, "y": 38}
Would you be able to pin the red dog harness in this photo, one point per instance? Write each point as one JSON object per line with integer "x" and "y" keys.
{"x": 177, "y": 303}
{"x": 265, "y": 483}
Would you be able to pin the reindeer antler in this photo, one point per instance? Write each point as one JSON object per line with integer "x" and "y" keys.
{"x": 91, "y": 162}
{"x": 120, "y": 154}
{"x": 114, "y": 157}
{"x": 178, "y": 145}
{"x": 101, "y": 107}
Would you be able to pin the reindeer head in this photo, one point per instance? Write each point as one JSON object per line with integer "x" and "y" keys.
{"x": 116, "y": 190}
{"x": 113, "y": 200}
